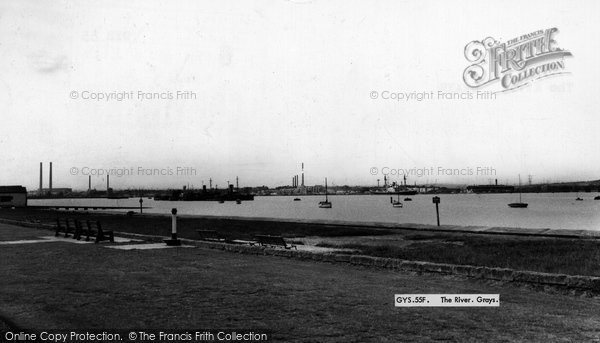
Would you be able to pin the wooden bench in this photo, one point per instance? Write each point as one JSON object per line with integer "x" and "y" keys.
{"x": 95, "y": 229}
{"x": 212, "y": 235}
{"x": 68, "y": 226}
{"x": 277, "y": 241}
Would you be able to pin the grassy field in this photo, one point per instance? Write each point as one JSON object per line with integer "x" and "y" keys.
{"x": 542, "y": 254}
{"x": 549, "y": 255}
{"x": 88, "y": 286}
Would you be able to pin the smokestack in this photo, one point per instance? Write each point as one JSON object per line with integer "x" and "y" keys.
{"x": 302, "y": 174}
{"x": 41, "y": 178}
{"x": 107, "y": 183}
{"x": 496, "y": 182}
{"x": 50, "y": 184}
{"x": 89, "y": 183}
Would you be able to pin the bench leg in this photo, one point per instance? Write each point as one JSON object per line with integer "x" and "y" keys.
{"x": 78, "y": 232}
{"x": 103, "y": 237}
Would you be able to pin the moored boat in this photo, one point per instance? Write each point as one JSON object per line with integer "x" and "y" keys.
{"x": 396, "y": 203}
{"x": 326, "y": 203}
{"x": 519, "y": 204}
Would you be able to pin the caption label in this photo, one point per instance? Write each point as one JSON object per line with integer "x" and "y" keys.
{"x": 447, "y": 300}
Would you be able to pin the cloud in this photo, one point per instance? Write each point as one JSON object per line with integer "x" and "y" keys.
{"x": 44, "y": 62}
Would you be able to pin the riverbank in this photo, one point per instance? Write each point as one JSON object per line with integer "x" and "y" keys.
{"x": 475, "y": 246}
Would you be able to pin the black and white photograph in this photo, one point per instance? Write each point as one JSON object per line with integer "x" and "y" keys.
{"x": 299, "y": 171}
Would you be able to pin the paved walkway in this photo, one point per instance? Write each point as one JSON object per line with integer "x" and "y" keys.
{"x": 83, "y": 286}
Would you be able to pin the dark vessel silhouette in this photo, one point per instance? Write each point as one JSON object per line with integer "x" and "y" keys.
{"x": 519, "y": 204}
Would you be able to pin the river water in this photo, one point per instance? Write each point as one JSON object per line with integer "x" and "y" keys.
{"x": 546, "y": 210}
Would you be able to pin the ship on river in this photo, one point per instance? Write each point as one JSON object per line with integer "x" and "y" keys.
{"x": 394, "y": 188}
{"x": 204, "y": 194}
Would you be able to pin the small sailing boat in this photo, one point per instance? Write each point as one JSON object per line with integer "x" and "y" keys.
{"x": 326, "y": 203}
{"x": 519, "y": 204}
{"x": 397, "y": 203}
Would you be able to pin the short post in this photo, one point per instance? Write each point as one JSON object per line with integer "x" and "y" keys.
{"x": 141, "y": 201}
{"x": 173, "y": 240}
{"x": 436, "y": 201}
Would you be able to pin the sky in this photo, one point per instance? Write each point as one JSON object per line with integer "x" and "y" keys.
{"x": 252, "y": 89}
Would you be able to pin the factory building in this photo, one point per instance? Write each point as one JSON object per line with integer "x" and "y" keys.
{"x": 13, "y": 196}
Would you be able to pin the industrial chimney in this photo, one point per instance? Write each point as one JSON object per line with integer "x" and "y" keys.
{"x": 89, "y": 183}
{"x": 107, "y": 184}
{"x": 50, "y": 184}
{"x": 41, "y": 178}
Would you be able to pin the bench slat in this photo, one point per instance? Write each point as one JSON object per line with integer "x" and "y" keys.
{"x": 95, "y": 229}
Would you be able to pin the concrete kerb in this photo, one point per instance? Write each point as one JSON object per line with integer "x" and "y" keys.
{"x": 577, "y": 282}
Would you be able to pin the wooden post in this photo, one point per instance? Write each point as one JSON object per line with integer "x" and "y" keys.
{"x": 436, "y": 201}
{"x": 174, "y": 223}
{"x": 173, "y": 240}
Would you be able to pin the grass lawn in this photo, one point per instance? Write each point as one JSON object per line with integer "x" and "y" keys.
{"x": 549, "y": 255}
{"x": 84, "y": 286}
